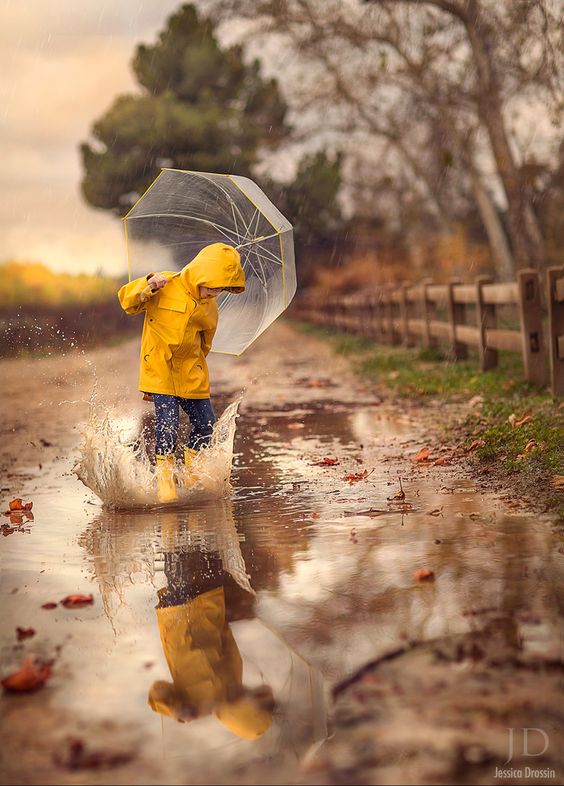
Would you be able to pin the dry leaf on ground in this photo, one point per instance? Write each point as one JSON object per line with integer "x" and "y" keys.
{"x": 424, "y": 574}
{"x": 18, "y": 504}
{"x": 326, "y": 462}
{"x": 78, "y": 757}
{"x": 422, "y": 456}
{"x": 557, "y": 482}
{"x": 515, "y": 422}
{"x": 31, "y": 675}
{"x": 354, "y": 477}
{"x": 77, "y": 601}
{"x": 24, "y": 633}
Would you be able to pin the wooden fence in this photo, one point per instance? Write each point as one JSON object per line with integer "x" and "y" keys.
{"x": 410, "y": 314}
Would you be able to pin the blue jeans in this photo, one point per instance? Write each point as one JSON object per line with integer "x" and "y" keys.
{"x": 167, "y": 416}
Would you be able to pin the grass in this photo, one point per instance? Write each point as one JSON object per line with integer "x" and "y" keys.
{"x": 428, "y": 374}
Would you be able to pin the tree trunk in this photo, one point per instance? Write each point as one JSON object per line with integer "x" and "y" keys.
{"x": 503, "y": 262}
{"x": 526, "y": 237}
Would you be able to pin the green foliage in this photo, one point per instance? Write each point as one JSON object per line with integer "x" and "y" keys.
{"x": 202, "y": 107}
{"x": 312, "y": 198}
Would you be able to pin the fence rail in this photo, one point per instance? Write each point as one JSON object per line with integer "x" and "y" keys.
{"x": 410, "y": 314}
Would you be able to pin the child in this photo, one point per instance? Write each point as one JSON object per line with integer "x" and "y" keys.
{"x": 180, "y": 321}
{"x": 203, "y": 658}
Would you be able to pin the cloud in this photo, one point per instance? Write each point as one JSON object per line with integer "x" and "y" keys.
{"x": 62, "y": 63}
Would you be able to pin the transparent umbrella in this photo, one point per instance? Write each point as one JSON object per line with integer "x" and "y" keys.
{"x": 183, "y": 211}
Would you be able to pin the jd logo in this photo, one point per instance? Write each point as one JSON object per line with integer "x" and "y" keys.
{"x": 526, "y": 751}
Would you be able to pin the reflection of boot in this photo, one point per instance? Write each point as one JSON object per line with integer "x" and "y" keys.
{"x": 189, "y": 455}
{"x": 166, "y": 485}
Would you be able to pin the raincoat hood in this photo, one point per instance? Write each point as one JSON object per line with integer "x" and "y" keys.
{"x": 216, "y": 266}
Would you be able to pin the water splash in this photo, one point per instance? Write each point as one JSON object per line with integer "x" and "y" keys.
{"x": 118, "y": 470}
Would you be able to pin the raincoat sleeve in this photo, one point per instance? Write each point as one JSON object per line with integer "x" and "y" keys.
{"x": 207, "y": 338}
{"x": 134, "y": 296}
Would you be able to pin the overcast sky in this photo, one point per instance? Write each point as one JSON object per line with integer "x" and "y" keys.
{"x": 62, "y": 62}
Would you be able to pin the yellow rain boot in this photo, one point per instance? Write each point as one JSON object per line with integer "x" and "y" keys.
{"x": 189, "y": 454}
{"x": 166, "y": 485}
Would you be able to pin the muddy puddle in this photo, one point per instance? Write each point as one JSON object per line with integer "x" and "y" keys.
{"x": 287, "y": 586}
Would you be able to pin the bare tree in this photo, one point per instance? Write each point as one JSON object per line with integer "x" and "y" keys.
{"x": 457, "y": 66}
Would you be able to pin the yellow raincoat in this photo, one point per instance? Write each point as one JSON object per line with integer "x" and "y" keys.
{"x": 179, "y": 326}
{"x": 206, "y": 668}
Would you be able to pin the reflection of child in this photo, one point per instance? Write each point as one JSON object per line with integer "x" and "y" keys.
{"x": 181, "y": 318}
{"x": 202, "y": 656}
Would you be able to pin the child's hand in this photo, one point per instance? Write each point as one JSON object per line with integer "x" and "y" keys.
{"x": 156, "y": 282}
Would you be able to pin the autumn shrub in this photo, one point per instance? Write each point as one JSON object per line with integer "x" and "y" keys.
{"x": 42, "y": 311}
{"x": 34, "y": 284}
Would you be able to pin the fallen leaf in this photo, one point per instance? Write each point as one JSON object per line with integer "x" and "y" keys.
{"x": 315, "y": 516}
{"x": 24, "y": 633}
{"x": 17, "y": 504}
{"x": 475, "y": 401}
{"x": 401, "y": 506}
{"x": 516, "y": 422}
{"x": 49, "y": 606}
{"x": 77, "y": 601}
{"x": 443, "y": 461}
{"x": 478, "y": 443}
{"x": 78, "y": 757}
{"x": 354, "y": 477}
{"x": 326, "y": 462}
{"x": 424, "y": 574}
{"x": 31, "y": 675}
{"x": 422, "y": 456}
{"x": 435, "y": 512}
{"x": 557, "y": 482}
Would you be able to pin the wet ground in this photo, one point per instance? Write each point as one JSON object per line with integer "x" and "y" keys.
{"x": 454, "y": 660}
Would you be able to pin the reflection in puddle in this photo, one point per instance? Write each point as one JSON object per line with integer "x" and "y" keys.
{"x": 227, "y": 683}
{"x": 235, "y": 614}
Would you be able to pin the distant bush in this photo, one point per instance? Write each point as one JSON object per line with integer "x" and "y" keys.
{"x": 33, "y": 284}
{"x": 42, "y": 311}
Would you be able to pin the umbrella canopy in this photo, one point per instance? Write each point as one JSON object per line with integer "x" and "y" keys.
{"x": 182, "y": 211}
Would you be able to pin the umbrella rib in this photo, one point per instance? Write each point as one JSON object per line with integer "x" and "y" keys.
{"x": 222, "y": 229}
{"x": 262, "y": 278}
{"x": 234, "y": 206}
{"x": 257, "y": 240}
{"x": 255, "y": 271}
{"x": 266, "y": 253}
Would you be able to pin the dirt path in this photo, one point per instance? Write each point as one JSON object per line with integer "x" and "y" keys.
{"x": 332, "y": 550}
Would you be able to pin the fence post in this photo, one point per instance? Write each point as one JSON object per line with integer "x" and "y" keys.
{"x": 456, "y": 316}
{"x": 530, "y": 313}
{"x": 426, "y": 338}
{"x": 395, "y": 337}
{"x": 404, "y": 314}
{"x": 388, "y": 313}
{"x": 486, "y": 318}
{"x": 555, "y": 297}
